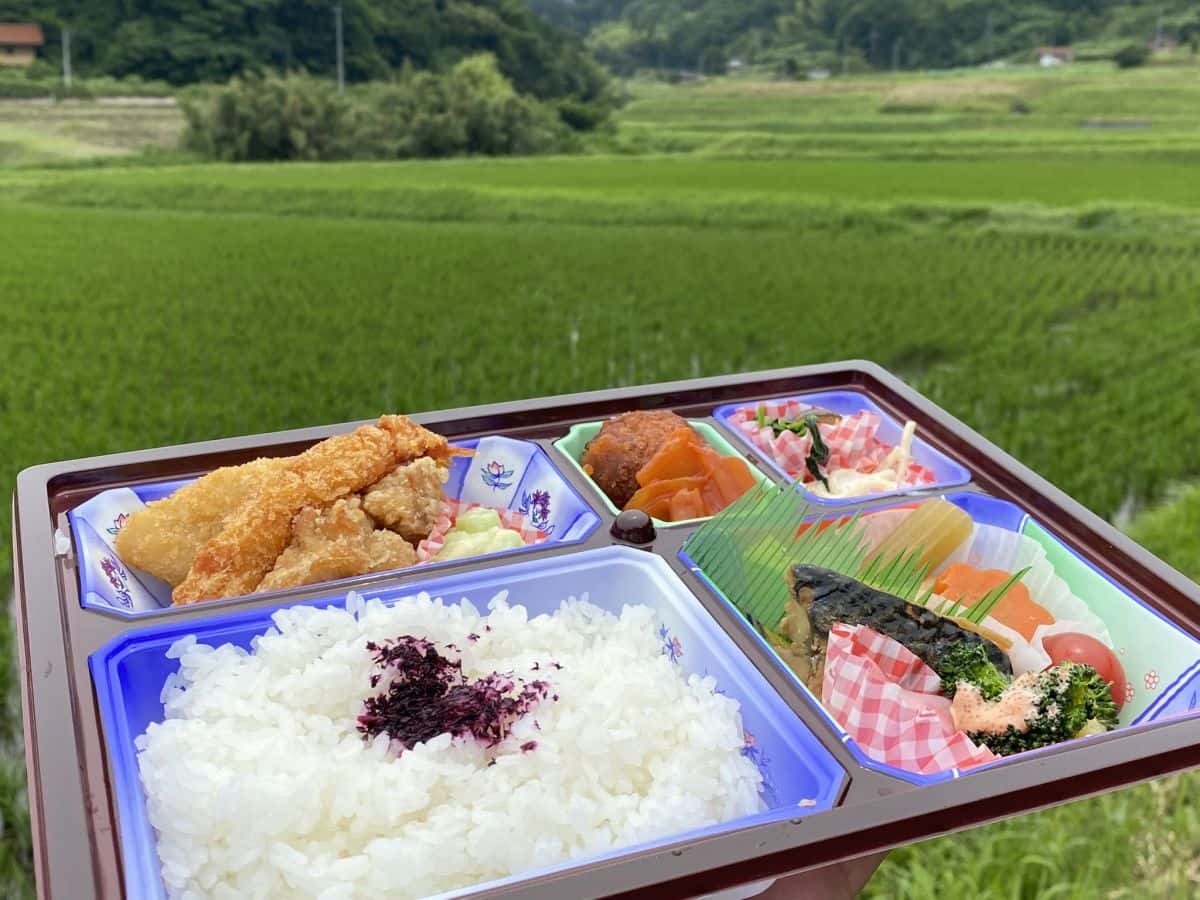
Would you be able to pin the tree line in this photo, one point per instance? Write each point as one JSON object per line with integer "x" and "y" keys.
{"x": 704, "y": 35}
{"x": 549, "y": 48}
{"x": 185, "y": 42}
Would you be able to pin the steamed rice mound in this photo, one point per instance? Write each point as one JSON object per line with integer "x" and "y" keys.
{"x": 259, "y": 785}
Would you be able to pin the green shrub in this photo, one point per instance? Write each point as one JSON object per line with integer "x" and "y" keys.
{"x": 789, "y": 68}
{"x": 129, "y": 86}
{"x": 267, "y": 117}
{"x": 580, "y": 116}
{"x": 498, "y": 121}
{"x": 43, "y": 82}
{"x": 472, "y": 109}
{"x": 41, "y": 69}
{"x": 23, "y": 90}
{"x": 1131, "y": 56}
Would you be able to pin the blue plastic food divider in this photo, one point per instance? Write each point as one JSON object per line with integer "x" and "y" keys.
{"x": 800, "y": 776}
{"x": 1180, "y": 696}
{"x": 504, "y": 473}
{"x": 947, "y": 472}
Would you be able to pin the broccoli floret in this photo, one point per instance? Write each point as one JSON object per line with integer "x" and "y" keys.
{"x": 970, "y": 664}
{"x": 1071, "y": 698}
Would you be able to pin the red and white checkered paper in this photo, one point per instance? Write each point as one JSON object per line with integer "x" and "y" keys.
{"x": 450, "y": 511}
{"x": 889, "y": 703}
{"x": 852, "y": 442}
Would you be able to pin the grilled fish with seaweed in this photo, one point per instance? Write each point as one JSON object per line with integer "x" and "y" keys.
{"x": 822, "y": 598}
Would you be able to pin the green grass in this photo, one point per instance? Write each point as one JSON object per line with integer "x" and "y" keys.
{"x": 1136, "y": 843}
{"x": 638, "y": 182}
{"x": 971, "y": 115}
{"x": 1173, "y": 530}
{"x": 22, "y": 147}
{"x": 40, "y": 133}
{"x": 1036, "y": 281}
{"x": 1006, "y": 330}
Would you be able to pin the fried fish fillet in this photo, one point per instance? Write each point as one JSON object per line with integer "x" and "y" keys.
{"x": 336, "y": 542}
{"x": 408, "y": 499}
{"x": 236, "y": 560}
{"x": 163, "y": 538}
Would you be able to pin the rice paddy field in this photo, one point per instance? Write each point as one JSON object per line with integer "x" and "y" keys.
{"x": 1018, "y": 246}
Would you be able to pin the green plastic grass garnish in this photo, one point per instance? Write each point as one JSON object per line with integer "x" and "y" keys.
{"x": 745, "y": 552}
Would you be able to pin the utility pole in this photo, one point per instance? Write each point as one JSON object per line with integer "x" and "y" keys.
{"x": 845, "y": 57}
{"x": 341, "y": 68}
{"x": 1158, "y": 31}
{"x": 896, "y": 54}
{"x": 66, "y": 57}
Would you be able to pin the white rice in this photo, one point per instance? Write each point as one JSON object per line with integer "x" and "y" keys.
{"x": 259, "y": 785}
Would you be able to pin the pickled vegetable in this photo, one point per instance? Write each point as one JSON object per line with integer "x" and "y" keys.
{"x": 936, "y": 528}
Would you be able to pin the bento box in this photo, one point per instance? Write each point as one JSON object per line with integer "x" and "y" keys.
{"x": 111, "y": 665}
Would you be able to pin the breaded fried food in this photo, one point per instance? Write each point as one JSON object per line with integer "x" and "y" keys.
{"x": 624, "y": 445}
{"x": 236, "y": 560}
{"x": 408, "y": 499}
{"x": 336, "y": 542}
{"x": 164, "y": 537}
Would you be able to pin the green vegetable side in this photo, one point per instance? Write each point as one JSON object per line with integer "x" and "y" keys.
{"x": 1066, "y": 701}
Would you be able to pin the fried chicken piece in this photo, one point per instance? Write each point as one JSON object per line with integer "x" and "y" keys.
{"x": 408, "y": 500}
{"x": 336, "y": 542}
{"x": 234, "y": 561}
{"x": 163, "y": 538}
{"x": 624, "y": 445}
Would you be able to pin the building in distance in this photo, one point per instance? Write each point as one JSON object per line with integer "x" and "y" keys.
{"x": 19, "y": 43}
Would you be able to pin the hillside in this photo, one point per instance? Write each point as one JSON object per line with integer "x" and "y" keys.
{"x": 704, "y": 35}
{"x": 182, "y": 42}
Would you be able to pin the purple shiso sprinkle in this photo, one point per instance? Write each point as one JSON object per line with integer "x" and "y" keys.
{"x": 428, "y": 695}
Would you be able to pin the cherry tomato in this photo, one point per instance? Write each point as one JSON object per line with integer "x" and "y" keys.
{"x": 1087, "y": 650}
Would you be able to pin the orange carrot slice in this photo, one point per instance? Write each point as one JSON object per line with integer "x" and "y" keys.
{"x": 662, "y": 490}
{"x": 1016, "y": 609}
{"x": 658, "y": 508}
{"x": 732, "y": 477}
{"x": 687, "y": 504}
{"x": 678, "y": 457}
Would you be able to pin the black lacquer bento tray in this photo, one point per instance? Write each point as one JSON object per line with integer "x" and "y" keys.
{"x": 75, "y": 813}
